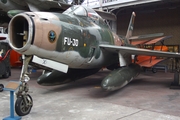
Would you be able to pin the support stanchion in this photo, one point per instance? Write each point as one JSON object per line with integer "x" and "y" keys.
{"x": 12, "y": 86}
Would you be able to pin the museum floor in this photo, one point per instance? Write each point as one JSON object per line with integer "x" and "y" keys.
{"x": 147, "y": 97}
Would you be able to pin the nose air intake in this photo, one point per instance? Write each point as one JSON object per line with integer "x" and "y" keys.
{"x": 21, "y": 32}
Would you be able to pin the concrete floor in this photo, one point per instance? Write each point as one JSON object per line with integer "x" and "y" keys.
{"x": 147, "y": 97}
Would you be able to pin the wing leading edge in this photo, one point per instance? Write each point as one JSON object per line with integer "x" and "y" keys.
{"x": 138, "y": 51}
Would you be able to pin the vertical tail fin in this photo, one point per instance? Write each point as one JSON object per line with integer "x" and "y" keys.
{"x": 130, "y": 28}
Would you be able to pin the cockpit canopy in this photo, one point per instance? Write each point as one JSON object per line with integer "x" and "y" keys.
{"x": 82, "y": 11}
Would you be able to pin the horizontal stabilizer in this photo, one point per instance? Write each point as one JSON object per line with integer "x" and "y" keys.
{"x": 106, "y": 15}
{"x": 153, "y": 41}
{"x": 149, "y": 42}
{"x": 146, "y": 36}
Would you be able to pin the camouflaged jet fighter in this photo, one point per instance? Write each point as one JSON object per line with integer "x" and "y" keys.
{"x": 70, "y": 46}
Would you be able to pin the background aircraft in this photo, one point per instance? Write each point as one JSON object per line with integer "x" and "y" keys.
{"x": 33, "y": 5}
{"x": 14, "y": 6}
{"x": 148, "y": 62}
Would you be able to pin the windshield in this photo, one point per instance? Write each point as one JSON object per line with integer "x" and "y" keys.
{"x": 70, "y": 10}
{"x": 76, "y": 10}
{"x": 83, "y": 11}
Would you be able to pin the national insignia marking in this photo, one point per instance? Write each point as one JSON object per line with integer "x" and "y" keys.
{"x": 52, "y": 36}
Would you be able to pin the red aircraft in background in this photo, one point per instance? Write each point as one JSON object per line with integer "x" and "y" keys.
{"x": 150, "y": 61}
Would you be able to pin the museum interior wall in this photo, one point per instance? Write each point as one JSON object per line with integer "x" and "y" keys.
{"x": 166, "y": 21}
{"x": 149, "y": 21}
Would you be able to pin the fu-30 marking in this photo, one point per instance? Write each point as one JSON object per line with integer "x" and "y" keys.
{"x": 71, "y": 41}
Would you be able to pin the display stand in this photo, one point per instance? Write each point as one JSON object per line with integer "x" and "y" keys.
{"x": 12, "y": 86}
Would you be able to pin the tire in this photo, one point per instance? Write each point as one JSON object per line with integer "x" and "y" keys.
{"x": 154, "y": 70}
{"x": 1, "y": 87}
{"x": 6, "y": 75}
{"x": 20, "y": 107}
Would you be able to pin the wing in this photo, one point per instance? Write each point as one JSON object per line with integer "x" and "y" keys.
{"x": 138, "y": 51}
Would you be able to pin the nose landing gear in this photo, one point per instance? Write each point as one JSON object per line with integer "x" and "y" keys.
{"x": 24, "y": 101}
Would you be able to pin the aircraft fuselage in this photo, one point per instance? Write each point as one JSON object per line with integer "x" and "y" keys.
{"x": 68, "y": 39}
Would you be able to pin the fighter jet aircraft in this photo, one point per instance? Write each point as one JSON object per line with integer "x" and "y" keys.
{"x": 70, "y": 46}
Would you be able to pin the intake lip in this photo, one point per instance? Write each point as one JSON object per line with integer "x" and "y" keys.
{"x": 18, "y": 26}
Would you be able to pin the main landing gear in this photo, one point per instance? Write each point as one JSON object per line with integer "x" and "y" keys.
{"x": 24, "y": 101}
{"x": 176, "y": 83}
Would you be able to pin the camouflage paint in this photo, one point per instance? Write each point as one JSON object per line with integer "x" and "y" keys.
{"x": 66, "y": 38}
{"x": 84, "y": 30}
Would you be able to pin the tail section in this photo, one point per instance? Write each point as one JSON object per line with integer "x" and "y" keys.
{"x": 130, "y": 28}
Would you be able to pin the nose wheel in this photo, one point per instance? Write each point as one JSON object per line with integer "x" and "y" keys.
{"x": 23, "y": 105}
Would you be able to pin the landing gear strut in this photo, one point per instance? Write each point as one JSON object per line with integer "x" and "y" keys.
{"x": 24, "y": 101}
{"x": 176, "y": 83}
